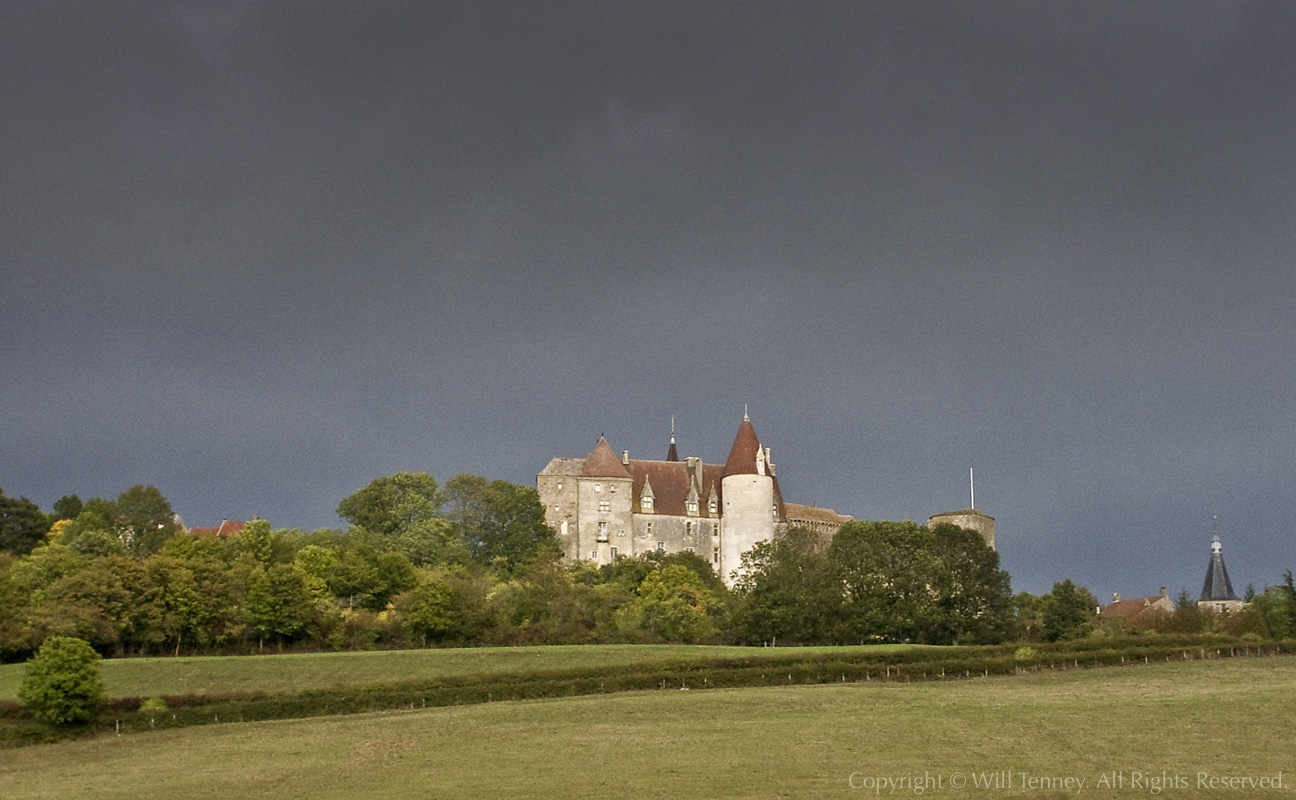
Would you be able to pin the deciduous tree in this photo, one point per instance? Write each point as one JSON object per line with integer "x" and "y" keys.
{"x": 500, "y": 520}
{"x": 22, "y": 525}
{"x": 789, "y": 591}
{"x": 61, "y": 683}
{"x": 1067, "y": 612}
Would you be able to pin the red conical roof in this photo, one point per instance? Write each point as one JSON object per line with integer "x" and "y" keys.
{"x": 742, "y": 456}
{"x": 603, "y": 463}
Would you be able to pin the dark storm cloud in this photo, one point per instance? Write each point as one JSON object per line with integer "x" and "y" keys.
{"x": 257, "y": 254}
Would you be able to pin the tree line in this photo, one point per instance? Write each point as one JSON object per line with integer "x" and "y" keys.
{"x": 473, "y": 563}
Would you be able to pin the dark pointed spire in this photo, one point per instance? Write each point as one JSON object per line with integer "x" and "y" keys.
{"x": 1217, "y": 587}
{"x": 672, "y": 454}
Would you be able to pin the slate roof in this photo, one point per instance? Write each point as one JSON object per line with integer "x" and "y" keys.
{"x": 564, "y": 466}
{"x": 1217, "y": 586}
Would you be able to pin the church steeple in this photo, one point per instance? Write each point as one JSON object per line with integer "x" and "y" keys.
{"x": 672, "y": 454}
{"x": 1217, "y": 587}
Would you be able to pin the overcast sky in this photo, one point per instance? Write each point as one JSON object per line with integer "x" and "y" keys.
{"x": 257, "y": 254}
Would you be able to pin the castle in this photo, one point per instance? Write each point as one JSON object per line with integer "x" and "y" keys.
{"x": 603, "y": 506}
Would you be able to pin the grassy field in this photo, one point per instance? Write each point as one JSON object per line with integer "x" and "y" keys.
{"x": 145, "y": 677}
{"x": 1151, "y": 724}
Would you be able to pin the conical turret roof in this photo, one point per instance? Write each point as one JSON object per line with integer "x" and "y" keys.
{"x": 602, "y": 462}
{"x": 742, "y": 456}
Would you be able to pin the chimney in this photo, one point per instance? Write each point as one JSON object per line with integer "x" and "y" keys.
{"x": 625, "y": 457}
{"x": 1164, "y": 592}
{"x": 1116, "y": 597}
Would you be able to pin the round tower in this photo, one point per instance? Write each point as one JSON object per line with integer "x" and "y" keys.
{"x": 971, "y": 519}
{"x": 750, "y": 508}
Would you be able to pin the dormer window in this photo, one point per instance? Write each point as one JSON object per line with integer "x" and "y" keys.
{"x": 711, "y": 506}
{"x": 646, "y": 504}
{"x": 691, "y": 507}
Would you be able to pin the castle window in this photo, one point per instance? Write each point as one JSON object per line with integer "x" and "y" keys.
{"x": 593, "y": 555}
{"x": 605, "y": 505}
{"x": 711, "y": 506}
{"x": 598, "y": 487}
{"x": 560, "y": 486}
{"x": 688, "y": 549}
{"x": 650, "y": 527}
{"x": 691, "y": 507}
{"x": 602, "y": 532}
{"x": 715, "y": 555}
{"x": 646, "y": 504}
{"x": 612, "y": 488}
{"x": 688, "y": 528}
{"x": 614, "y": 553}
{"x": 661, "y": 547}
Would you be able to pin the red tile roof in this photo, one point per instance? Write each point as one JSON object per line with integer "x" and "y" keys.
{"x": 226, "y": 528}
{"x": 603, "y": 463}
{"x": 742, "y": 456}
{"x": 671, "y": 480}
{"x": 1138, "y": 606}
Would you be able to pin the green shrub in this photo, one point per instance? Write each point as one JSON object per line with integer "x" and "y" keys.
{"x": 61, "y": 683}
{"x": 152, "y": 707}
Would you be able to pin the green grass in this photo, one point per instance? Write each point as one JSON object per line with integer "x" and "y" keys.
{"x": 216, "y": 675}
{"x": 1224, "y": 717}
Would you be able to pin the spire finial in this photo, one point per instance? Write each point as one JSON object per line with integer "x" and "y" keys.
{"x": 745, "y": 417}
{"x": 672, "y": 429}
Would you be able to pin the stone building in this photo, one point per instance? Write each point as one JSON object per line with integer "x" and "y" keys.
{"x": 1144, "y": 610}
{"x": 603, "y": 506}
{"x": 823, "y": 521}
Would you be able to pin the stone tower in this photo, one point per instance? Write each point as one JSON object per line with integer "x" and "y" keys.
{"x": 971, "y": 519}
{"x": 752, "y": 508}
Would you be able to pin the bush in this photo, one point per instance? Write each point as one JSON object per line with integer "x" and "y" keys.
{"x": 152, "y": 707}
{"x": 61, "y": 683}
